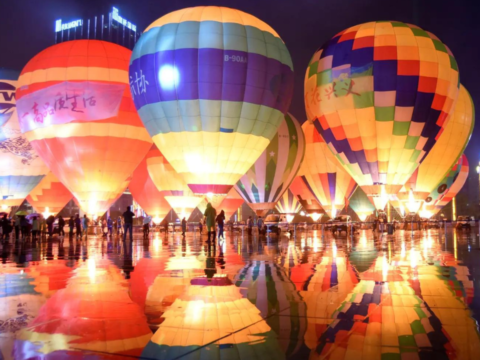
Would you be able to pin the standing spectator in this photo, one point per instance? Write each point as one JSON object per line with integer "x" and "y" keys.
{"x": 210, "y": 217}
{"x": 78, "y": 226}
{"x": 85, "y": 222}
{"x": 35, "y": 228}
{"x": 6, "y": 227}
{"x": 128, "y": 219}
{"x": 184, "y": 226}
{"x": 110, "y": 226}
{"x": 250, "y": 225}
{"x": 119, "y": 225}
{"x": 260, "y": 225}
{"x": 61, "y": 225}
{"x": 24, "y": 225}
{"x": 17, "y": 227}
{"x": 50, "y": 221}
{"x": 43, "y": 227}
{"x": 146, "y": 226}
{"x": 221, "y": 221}
{"x": 71, "y": 225}
{"x": 104, "y": 227}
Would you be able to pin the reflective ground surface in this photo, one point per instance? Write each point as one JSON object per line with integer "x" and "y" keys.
{"x": 307, "y": 297}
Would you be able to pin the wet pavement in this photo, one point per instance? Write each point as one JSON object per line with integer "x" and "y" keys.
{"x": 406, "y": 296}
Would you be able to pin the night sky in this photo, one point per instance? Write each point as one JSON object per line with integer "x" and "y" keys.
{"x": 26, "y": 27}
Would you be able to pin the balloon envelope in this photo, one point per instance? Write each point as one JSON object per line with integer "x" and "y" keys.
{"x": 230, "y": 204}
{"x": 379, "y": 94}
{"x": 145, "y": 192}
{"x": 288, "y": 204}
{"x": 271, "y": 175}
{"x": 211, "y": 85}
{"x": 444, "y": 155}
{"x": 50, "y": 196}
{"x": 77, "y": 112}
{"x": 323, "y": 174}
{"x": 21, "y": 169}
{"x": 360, "y": 203}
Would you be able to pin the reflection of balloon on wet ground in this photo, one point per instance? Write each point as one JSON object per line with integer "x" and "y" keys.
{"x": 269, "y": 288}
{"x": 213, "y": 320}
{"x": 19, "y": 304}
{"x": 94, "y": 313}
{"x": 49, "y": 276}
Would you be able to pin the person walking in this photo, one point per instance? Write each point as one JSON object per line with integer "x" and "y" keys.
{"x": 128, "y": 219}
{"x": 260, "y": 225}
{"x": 110, "y": 226}
{"x": 71, "y": 225}
{"x": 220, "y": 222}
{"x": 184, "y": 226}
{"x": 210, "y": 216}
{"x": 61, "y": 225}
{"x": 85, "y": 222}
{"x": 78, "y": 225}
{"x": 249, "y": 225}
{"x": 35, "y": 228}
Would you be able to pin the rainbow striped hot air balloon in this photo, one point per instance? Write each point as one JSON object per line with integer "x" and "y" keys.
{"x": 447, "y": 150}
{"x": 271, "y": 175}
{"x": 211, "y": 85}
{"x": 379, "y": 94}
{"x": 21, "y": 169}
{"x": 288, "y": 204}
{"x": 76, "y": 110}
{"x": 323, "y": 174}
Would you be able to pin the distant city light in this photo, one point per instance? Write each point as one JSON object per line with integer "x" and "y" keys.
{"x": 70, "y": 25}
{"x": 122, "y": 21}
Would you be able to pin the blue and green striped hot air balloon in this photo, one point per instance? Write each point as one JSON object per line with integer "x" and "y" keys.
{"x": 211, "y": 85}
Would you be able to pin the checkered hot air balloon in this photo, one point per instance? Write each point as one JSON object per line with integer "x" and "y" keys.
{"x": 379, "y": 93}
{"x": 447, "y": 150}
{"x": 271, "y": 175}
{"x": 76, "y": 110}
{"x": 323, "y": 174}
{"x": 171, "y": 184}
{"x": 144, "y": 191}
{"x": 21, "y": 169}
{"x": 50, "y": 196}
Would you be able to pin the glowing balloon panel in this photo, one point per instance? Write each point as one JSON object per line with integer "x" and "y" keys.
{"x": 360, "y": 203}
{"x": 211, "y": 85}
{"x": 379, "y": 94}
{"x": 145, "y": 192}
{"x": 21, "y": 169}
{"x": 305, "y": 196}
{"x": 230, "y": 204}
{"x": 323, "y": 174}
{"x": 50, "y": 195}
{"x": 271, "y": 175}
{"x": 77, "y": 112}
{"x": 288, "y": 204}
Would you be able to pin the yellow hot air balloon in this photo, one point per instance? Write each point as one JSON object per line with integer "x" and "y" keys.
{"x": 211, "y": 85}
{"x": 379, "y": 93}
{"x": 445, "y": 153}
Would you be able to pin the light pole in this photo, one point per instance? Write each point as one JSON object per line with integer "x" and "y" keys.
{"x": 478, "y": 172}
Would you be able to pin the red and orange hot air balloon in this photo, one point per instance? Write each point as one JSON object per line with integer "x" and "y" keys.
{"x": 50, "y": 196}
{"x": 145, "y": 192}
{"x": 75, "y": 108}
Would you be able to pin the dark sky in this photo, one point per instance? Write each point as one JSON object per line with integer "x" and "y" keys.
{"x": 26, "y": 27}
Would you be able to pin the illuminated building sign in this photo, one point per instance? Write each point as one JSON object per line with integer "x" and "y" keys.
{"x": 70, "y": 25}
{"x": 122, "y": 21}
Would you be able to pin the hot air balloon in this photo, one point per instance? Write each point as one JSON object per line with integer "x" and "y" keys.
{"x": 447, "y": 189}
{"x": 230, "y": 204}
{"x": 360, "y": 203}
{"x": 171, "y": 184}
{"x": 145, "y": 192}
{"x": 323, "y": 174}
{"x": 21, "y": 169}
{"x": 211, "y": 85}
{"x": 288, "y": 204}
{"x": 76, "y": 110}
{"x": 447, "y": 150}
{"x": 306, "y": 198}
{"x": 271, "y": 175}
{"x": 50, "y": 196}
{"x": 379, "y": 94}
